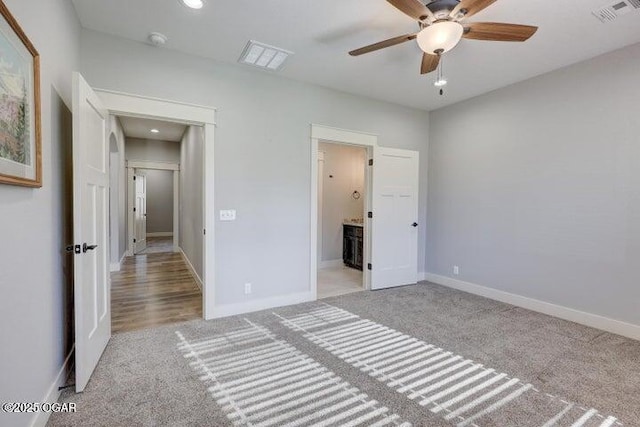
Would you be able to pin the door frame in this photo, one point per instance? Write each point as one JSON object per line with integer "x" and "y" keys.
{"x": 130, "y": 105}
{"x": 334, "y": 135}
{"x": 131, "y": 166}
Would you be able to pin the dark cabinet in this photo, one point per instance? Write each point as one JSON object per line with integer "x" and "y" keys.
{"x": 352, "y": 244}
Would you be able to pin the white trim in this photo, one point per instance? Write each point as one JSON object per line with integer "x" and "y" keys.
{"x": 263, "y": 304}
{"x": 331, "y": 263}
{"x": 176, "y": 210}
{"x": 320, "y": 205}
{"x": 130, "y": 203}
{"x": 422, "y": 276}
{"x": 40, "y": 418}
{"x": 116, "y": 266}
{"x": 340, "y": 136}
{"x": 125, "y": 104}
{"x": 143, "y": 164}
{"x": 331, "y": 134}
{"x": 208, "y": 224}
{"x": 593, "y": 320}
{"x": 161, "y": 234}
{"x": 192, "y": 270}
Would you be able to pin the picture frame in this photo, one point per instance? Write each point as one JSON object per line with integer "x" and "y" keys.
{"x": 20, "y": 120}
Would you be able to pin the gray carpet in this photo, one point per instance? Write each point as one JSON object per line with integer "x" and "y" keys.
{"x": 547, "y": 367}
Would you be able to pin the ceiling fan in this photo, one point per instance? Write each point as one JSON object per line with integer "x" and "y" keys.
{"x": 442, "y": 25}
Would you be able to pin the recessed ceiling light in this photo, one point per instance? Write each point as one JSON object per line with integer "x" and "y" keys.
{"x": 193, "y": 4}
{"x": 155, "y": 131}
{"x": 264, "y": 56}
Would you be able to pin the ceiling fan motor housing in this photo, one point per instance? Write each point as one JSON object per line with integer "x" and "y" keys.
{"x": 442, "y": 8}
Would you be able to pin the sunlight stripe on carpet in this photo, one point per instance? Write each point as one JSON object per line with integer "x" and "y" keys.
{"x": 458, "y": 389}
{"x": 261, "y": 381}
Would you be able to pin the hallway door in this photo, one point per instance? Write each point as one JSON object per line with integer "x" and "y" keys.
{"x": 90, "y": 230}
{"x": 140, "y": 213}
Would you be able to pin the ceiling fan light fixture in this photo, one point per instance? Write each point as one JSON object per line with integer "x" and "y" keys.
{"x": 440, "y": 37}
{"x": 193, "y": 4}
{"x": 440, "y": 82}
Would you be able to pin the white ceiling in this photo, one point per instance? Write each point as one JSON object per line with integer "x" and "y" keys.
{"x": 321, "y": 32}
{"x": 141, "y": 128}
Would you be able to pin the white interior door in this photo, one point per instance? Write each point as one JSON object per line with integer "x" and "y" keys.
{"x": 394, "y": 240}
{"x": 140, "y": 212}
{"x": 90, "y": 229}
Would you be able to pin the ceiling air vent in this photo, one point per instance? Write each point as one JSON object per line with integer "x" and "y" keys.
{"x": 264, "y": 56}
{"x": 616, "y": 9}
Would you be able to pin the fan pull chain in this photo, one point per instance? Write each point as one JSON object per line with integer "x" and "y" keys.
{"x": 439, "y": 76}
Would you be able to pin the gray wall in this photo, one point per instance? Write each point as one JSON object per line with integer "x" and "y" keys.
{"x": 191, "y": 190}
{"x": 535, "y": 189}
{"x": 159, "y": 201}
{"x": 343, "y": 173}
{"x": 262, "y": 152}
{"x": 152, "y": 150}
{"x": 35, "y": 287}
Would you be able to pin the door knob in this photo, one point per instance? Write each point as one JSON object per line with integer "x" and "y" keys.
{"x": 86, "y": 247}
{"x": 415, "y": 224}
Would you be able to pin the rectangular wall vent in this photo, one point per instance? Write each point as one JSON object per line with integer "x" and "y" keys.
{"x": 264, "y": 56}
{"x": 616, "y": 9}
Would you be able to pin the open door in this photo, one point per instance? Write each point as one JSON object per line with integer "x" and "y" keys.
{"x": 140, "y": 213}
{"x": 90, "y": 229}
{"x": 394, "y": 242}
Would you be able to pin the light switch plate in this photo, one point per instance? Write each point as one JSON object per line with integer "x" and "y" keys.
{"x": 228, "y": 215}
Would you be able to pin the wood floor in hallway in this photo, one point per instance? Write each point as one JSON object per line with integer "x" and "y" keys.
{"x": 151, "y": 290}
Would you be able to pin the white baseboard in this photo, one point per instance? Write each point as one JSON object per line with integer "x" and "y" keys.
{"x": 115, "y": 266}
{"x": 331, "y": 263}
{"x": 593, "y": 320}
{"x": 161, "y": 234}
{"x": 192, "y": 270}
{"x": 262, "y": 304}
{"x": 40, "y": 418}
{"x": 422, "y": 276}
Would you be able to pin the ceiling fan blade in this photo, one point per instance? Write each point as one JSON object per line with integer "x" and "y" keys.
{"x": 381, "y": 45}
{"x": 429, "y": 63}
{"x": 413, "y": 8}
{"x": 471, "y": 6}
{"x": 498, "y": 32}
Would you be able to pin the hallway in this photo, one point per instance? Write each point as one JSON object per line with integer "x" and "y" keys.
{"x": 151, "y": 290}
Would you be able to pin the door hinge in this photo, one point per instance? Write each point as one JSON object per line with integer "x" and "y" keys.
{"x": 370, "y": 162}
{"x": 134, "y": 240}
{"x": 134, "y": 177}
{"x": 369, "y": 214}
{"x": 204, "y": 231}
{"x": 134, "y": 209}
{"x": 369, "y": 266}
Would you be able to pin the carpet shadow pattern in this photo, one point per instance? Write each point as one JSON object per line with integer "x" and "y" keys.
{"x": 460, "y": 390}
{"x": 143, "y": 378}
{"x": 261, "y": 381}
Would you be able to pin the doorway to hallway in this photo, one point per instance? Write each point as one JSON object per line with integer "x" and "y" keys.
{"x": 159, "y": 280}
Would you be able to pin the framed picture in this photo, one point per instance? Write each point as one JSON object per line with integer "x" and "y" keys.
{"x": 20, "y": 138}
